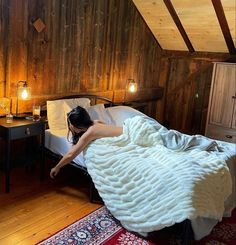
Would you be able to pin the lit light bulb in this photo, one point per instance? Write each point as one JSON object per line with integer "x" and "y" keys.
{"x": 24, "y": 94}
{"x": 132, "y": 88}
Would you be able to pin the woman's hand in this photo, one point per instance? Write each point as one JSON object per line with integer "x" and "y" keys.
{"x": 54, "y": 171}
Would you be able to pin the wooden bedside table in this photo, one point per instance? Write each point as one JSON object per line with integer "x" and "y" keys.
{"x": 20, "y": 129}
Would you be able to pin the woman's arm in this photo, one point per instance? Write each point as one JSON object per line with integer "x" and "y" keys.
{"x": 98, "y": 130}
{"x": 85, "y": 139}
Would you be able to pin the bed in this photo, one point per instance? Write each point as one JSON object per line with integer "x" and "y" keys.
{"x": 98, "y": 107}
{"x": 56, "y": 142}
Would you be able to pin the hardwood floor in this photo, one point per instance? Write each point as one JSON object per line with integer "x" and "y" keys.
{"x": 34, "y": 210}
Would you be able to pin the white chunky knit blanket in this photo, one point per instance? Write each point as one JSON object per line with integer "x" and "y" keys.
{"x": 150, "y": 177}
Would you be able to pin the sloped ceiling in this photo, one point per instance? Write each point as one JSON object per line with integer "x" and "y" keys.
{"x": 191, "y": 25}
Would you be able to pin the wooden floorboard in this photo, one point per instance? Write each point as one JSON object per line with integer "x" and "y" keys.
{"x": 34, "y": 210}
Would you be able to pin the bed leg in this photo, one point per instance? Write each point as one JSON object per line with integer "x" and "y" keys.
{"x": 186, "y": 235}
{"x": 93, "y": 194}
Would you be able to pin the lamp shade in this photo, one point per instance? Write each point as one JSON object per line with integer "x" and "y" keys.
{"x": 23, "y": 93}
{"x": 131, "y": 86}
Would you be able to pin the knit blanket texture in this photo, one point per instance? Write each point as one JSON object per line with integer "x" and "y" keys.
{"x": 150, "y": 177}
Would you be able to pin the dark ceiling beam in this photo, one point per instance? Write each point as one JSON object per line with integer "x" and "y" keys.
{"x": 224, "y": 25}
{"x": 179, "y": 25}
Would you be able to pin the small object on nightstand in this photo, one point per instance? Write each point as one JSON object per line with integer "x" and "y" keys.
{"x": 9, "y": 118}
{"x": 29, "y": 118}
{"x": 36, "y": 112}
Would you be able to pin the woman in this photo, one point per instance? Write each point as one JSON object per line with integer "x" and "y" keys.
{"x": 83, "y": 131}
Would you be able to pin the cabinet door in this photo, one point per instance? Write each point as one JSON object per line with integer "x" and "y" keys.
{"x": 222, "y": 102}
{"x": 234, "y": 115}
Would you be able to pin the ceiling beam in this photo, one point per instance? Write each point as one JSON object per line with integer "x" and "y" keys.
{"x": 179, "y": 25}
{"x": 224, "y": 25}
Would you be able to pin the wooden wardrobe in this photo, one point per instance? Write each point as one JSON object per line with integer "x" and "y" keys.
{"x": 221, "y": 117}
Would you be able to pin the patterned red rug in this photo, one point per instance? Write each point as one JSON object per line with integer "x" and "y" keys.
{"x": 100, "y": 227}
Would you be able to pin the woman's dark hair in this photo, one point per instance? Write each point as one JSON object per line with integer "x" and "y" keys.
{"x": 79, "y": 118}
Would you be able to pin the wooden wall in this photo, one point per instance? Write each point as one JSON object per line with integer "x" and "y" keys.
{"x": 86, "y": 46}
{"x": 90, "y": 46}
{"x": 187, "y": 80}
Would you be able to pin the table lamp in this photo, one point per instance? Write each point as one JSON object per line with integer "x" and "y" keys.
{"x": 131, "y": 87}
{"x": 23, "y": 93}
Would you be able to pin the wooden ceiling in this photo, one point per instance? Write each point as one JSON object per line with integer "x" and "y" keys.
{"x": 191, "y": 25}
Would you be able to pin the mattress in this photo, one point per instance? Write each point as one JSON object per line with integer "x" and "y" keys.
{"x": 56, "y": 141}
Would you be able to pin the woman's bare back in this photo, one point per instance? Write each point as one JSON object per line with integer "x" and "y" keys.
{"x": 101, "y": 129}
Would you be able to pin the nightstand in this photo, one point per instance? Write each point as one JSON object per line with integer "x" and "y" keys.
{"x": 20, "y": 129}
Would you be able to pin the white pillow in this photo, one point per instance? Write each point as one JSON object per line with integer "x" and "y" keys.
{"x": 66, "y": 109}
{"x": 55, "y": 111}
{"x": 120, "y": 113}
{"x": 98, "y": 112}
{"x": 83, "y": 102}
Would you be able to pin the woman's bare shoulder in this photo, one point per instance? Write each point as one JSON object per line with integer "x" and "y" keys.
{"x": 99, "y": 130}
{"x": 98, "y": 121}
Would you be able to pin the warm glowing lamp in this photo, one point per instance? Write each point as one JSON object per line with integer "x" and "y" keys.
{"x": 131, "y": 87}
{"x": 23, "y": 93}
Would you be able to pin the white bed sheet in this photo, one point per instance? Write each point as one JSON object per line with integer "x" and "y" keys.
{"x": 56, "y": 141}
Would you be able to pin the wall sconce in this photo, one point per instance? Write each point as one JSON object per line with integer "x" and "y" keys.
{"x": 23, "y": 93}
{"x": 131, "y": 87}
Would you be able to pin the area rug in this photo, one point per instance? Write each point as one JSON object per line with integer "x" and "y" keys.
{"x": 100, "y": 227}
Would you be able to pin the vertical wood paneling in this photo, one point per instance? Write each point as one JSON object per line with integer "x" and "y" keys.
{"x": 37, "y": 50}
{"x": 4, "y": 18}
{"x": 86, "y": 46}
{"x": 187, "y": 90}
{"x": 164, "y": 71}
{"x": 17, "y": 53}
{"x": 95, "y": 46}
